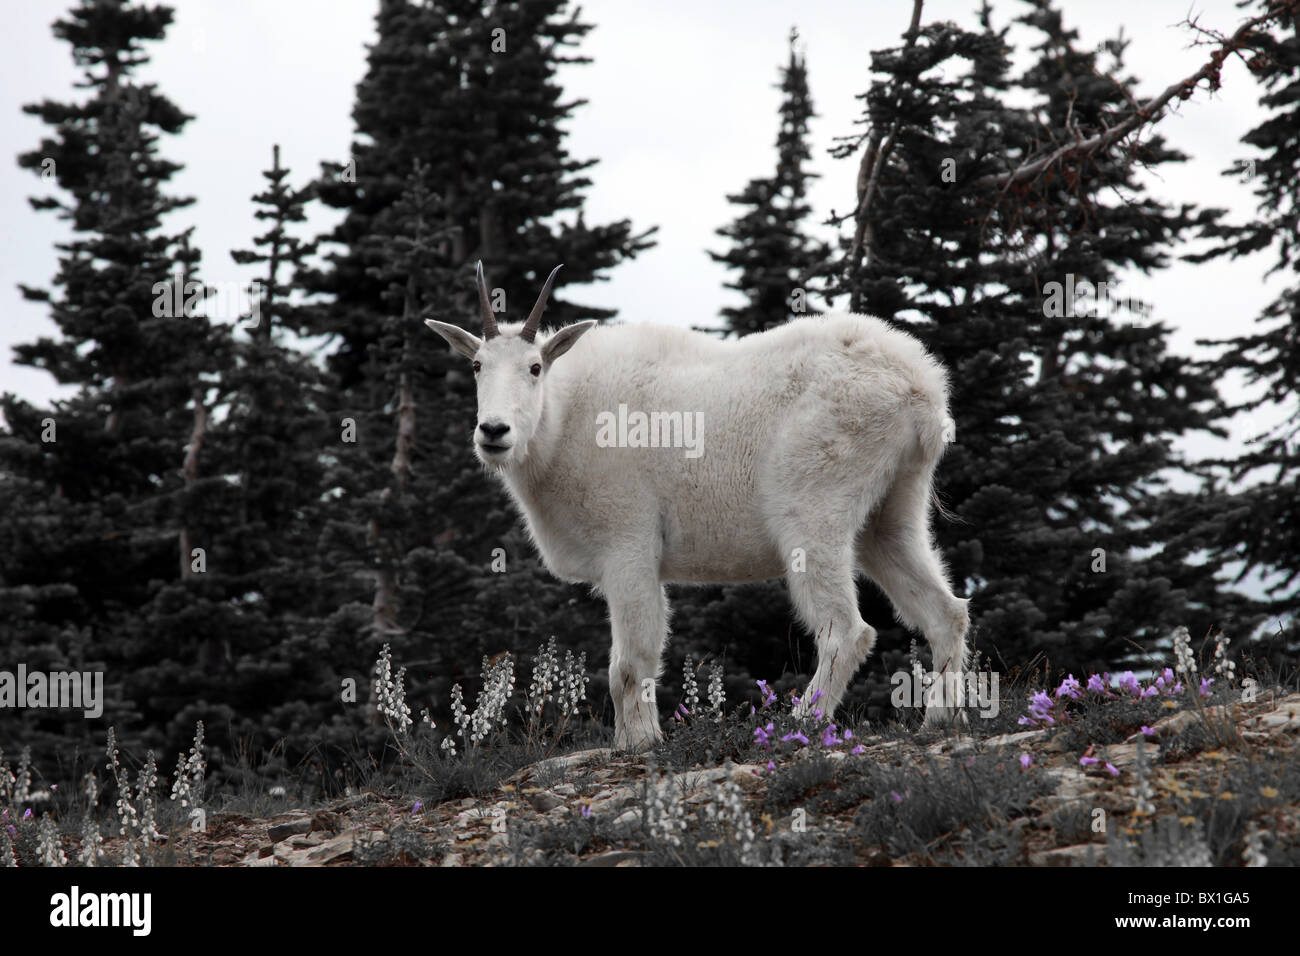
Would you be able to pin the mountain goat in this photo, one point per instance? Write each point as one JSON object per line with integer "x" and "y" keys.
{"x": 644, "y": 454}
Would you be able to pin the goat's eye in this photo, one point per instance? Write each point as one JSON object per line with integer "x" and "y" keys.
{"x": 536, "y": 369}
{"x": 477, "y": 367}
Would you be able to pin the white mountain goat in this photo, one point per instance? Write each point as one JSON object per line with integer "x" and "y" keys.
{"x": 806, "y": 451}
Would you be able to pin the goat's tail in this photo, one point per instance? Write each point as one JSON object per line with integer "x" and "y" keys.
{"x": 935, "y": 431}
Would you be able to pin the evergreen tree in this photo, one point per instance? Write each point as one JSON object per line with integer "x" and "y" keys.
{"x": 1067, "y": 539}
{"x": 243, "y": 625}
{"x": 470, "y": 91}
{"x": 771, "y": 250}
{"x": 1266, "y": 537}
{"x": 103, "y": 490}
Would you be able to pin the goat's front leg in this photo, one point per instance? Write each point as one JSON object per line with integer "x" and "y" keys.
{"x": 638, "y": 614}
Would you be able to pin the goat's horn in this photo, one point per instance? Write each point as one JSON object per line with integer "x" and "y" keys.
{"x": 529, "y": 331}
{"x": 485, "y": 305}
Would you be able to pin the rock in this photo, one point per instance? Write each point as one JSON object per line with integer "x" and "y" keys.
{"x": 259, "y": 856}
{"x": 1071, "y": 785}
{"x": 747, "y": 776}
{"x": 544, "y": 801}
{"x": 613, "y": 858}
{"x": 333, "y": 849}
{"x": 279, "y": 831}
{"x": 613, "y": 800}
{"x": 1019, "y": 741}
{"x": 1285, "y": 717}
{"x": 1081, "y": 854}
{"x": 326, "y": 821}
{"x": 1124, "y": 756}
{"x": 570, "y": 762}
{"x": 627, "y": 818}
{"x": 1177, "y": 723}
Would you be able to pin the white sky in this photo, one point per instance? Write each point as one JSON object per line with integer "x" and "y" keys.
{"x": 682, "y": 111}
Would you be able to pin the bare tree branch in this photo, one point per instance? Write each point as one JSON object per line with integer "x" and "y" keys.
{"x": 1150, "y": 111}
{"x": 873, "y": 161}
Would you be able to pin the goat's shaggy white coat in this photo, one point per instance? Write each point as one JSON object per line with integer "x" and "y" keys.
{"x": 820, "y": 442}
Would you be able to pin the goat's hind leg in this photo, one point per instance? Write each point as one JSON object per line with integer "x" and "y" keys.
{"x": 895, "y": 551}
{"x": 825, "y": 597}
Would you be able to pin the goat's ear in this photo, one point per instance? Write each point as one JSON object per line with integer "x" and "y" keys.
{"x": 462, "y": 341}
{"x": 563, "y": 340}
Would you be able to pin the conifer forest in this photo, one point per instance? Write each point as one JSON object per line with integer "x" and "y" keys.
{"x": 243, "y": 519}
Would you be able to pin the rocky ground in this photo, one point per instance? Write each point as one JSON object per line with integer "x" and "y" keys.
{"x": 604, "y": 793}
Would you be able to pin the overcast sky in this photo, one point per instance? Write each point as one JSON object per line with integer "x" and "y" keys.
{"x": 682, "y": 111}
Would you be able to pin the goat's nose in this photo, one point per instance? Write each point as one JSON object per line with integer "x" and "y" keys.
{"x": 493, "y": 430}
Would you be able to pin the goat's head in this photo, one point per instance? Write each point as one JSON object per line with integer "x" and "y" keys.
{"x": 510, "y": 368}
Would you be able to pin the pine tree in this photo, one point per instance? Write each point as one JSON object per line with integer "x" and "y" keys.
{"x": 244, "y": 624}
{"x": 469, "y": 90}
{"x": 771, "y": 251}
{"x": 1266, "y": 536}
{"x": 1067, "y": 539}
{"x": 107, "y": 500}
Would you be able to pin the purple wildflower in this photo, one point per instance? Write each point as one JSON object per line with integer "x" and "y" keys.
{"x": 1040, "y": 707}
{"x": 828, "y": 737}
{"x": 1088, "y": 761}
{"x": 1097, "y": 684}
{"x": 1114, "y": 772}
{"x": 796, "y": 735}
{"x": 858, "y": 750}
{"x": 585, "y": 810}
{"x": 1129, "y": 682}
{"x": 416, "y": 809}
{"x": 764, "y": 735}
{"x": 1026, "y": 760}
{"x": 1205, "y": 686}
{"x": 1069, "y": 688}
{"x": 27, "y": 813}
{"x": 769, "y": 695}
{"x": 1148, "y": 731}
